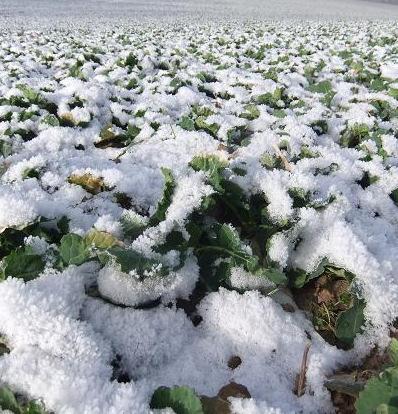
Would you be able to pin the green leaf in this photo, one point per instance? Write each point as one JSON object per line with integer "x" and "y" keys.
{"x": 252, "y": 112}
{"x": 73, "y": 249}
{"x": 8, "y": 401}
{"x": 350, "y": 322}
{"x": 211, "y": 129}
{"x": 76, "y": 70}
{"x": 30, "y": 173}
{"x": 340, "y": 272}
{"x": 213, "y": 166}
{"x": 34, "y": 408}
{"x": 300, "y": 277}
{"x": 354, "y": 135}
{"x": 30, "y": 94}
{"x": 131, "y": 60}
{"x": 238, "y": 134}
{"x": 394, "y": 196}
{"x": 5, "y": 148}
{"x": 239, "y": 171}
{"x": 393, "y": 92}
{"x": 22, "y": 263}
{"x": 131, "y": 133}
{"x": 271, "y": 162}
{"x": 223, "y": 241}
{"x": 132, "y": 224}
{"x": 321, "y": 87}
{"x": 187, "y": 123}
{"x": 50, "y": 120}
{"x": 393, "y": 351}
{"x": 164, "y": 203}
{"x": 182, "y": 400}
{"x": 132, "y": 260}
{"x": 270, "y": 99}
{"x": 300, "y": 197}
{"x": 63, "y": 225}
{"x": 273, "y": 274}
{"x": 378, "y": 85}
{"x": 279, "y": 113}
{"x": 380, "y": 394}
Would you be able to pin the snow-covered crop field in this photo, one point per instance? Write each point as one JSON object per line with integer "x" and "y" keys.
{"x": 202, "y": 217}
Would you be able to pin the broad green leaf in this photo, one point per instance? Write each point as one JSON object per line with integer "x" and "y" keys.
{"x": 301, "y": 198}
{"x": 223, "y": 241}
{"x": 213, "y": 166}
{"x": 63, "y": 225}
{"x": 30, "y": 94}
{"x": 30, "y": 173}
{"x": 76, "y": 71}
{"x": 378, "y": 85}
{"x": 22, "y": 263}
{"x": 100, "y": 239}
{"x": 131, "y": 260}
{"x": 50, "y": 120}
{"x": 34, "y": 407}
{"x": 211, "y": 129}
{"x": 270, "y": 99}
{"x": 201, "y": 111}
{"x": 164, "y": 203}
{"x": 252, "y": 112}
{"x": 5, "y": 148}
{"x": 238, "y": 134}
{"x": 340, "y": 272}
{"x": 394, "y": 196}
{"x": 131, "y": 60}
{"x": 353, "y": 135}
{"x": 8, "y": 401}
{"x": 239, "y": 171}
{"x": 350, "y": 322}
{"x": 300, "y": 277}
{"x": 320, "y": 126}
{"x": 271, "y": 162}
{"x": 187, "y": 123}
{"x": 393, "y": 92}
{"x": 279, "y": 113}
{"x": 380, "y": 394}
{"x": 182, "y": 400}
{"x": 321, "y": 87}
{"x": 131, "y": 134}
{"x": 118, "y": 139}
{"x": 273, "y": 274}
{"x": 393, "y": 351}
{"x": 3, "y": 346}
{"x": 132, "y": 225}
{"x": 306, "y": 152}
{"x": 73, "y": 249}
{"x": 206, "y": 77}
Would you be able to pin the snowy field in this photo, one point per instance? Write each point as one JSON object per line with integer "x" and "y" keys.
{"x": 195, "y": 195}
{"x": 194, "y": 10}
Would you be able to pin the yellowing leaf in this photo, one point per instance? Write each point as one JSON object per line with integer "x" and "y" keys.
{"x": 89, "y": 182}
{"x": 100, "y": 239}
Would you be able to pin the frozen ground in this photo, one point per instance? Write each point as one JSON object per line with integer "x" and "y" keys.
{"x": 128, "y": 149}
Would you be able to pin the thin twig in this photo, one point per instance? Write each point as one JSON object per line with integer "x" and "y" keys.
{"x": 300, "y": 380}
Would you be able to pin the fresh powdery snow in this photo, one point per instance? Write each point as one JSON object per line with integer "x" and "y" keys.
{"x": 169, "y": 193}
